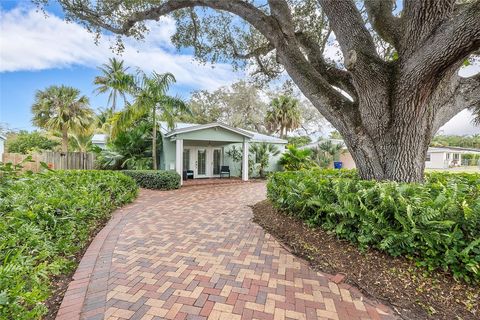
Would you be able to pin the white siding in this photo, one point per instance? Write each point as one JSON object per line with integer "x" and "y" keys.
{"x": 437, "y": 161}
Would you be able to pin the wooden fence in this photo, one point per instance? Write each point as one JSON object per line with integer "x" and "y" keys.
{"x": 55, "y": 160}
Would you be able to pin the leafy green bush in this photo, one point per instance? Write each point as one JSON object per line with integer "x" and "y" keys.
{"x": 296, "y": 159}
{"x": 470, "y": 159}
{"x": 45, "y": 221}
{"x": 25, "y": 142}
{"x": 436, "y": 223}
{"x": 155, "y": 179}
{"x": 130, "y": 149}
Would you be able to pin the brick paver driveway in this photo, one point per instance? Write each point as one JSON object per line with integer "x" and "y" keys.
{"x": 194, "y": 254}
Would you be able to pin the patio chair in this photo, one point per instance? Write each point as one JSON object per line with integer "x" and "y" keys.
{"x": 224, "y": 170}
{"x": 187, "y": 174}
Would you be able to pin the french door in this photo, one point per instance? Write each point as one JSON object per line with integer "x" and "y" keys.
{"x": 201, "y": 163}
{"x": 217, "y": 161}
{"x": 204, "y": 161}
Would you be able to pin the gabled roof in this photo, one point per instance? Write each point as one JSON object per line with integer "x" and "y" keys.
{"x": 196, "y": 127}
{"x": 182, "y": 127}
{"x": 453, "y": 149}
{"x": 259, "y": 137}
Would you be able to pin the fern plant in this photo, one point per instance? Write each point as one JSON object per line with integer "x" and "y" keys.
{"x": 436, "y": 223}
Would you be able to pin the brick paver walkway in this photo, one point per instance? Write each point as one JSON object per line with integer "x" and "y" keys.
{"x": 194, "y": 254}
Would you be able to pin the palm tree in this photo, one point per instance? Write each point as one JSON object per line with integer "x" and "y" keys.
{"x": 82, "y": 140}
{"x": 62, "y": 109}
{"x": 326, "y": 152}
{"x": 115, "y": 80}
{"x": 262, "y": 152}
{"x": 284, "y": 115}
{"x": 150, "y": 98}
{"x": 296, "y": 159}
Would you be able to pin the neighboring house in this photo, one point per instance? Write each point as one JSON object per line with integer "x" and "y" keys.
{"x": 99, "y": 140}
{"x": 2, "y": 146}
{"x": 446, "y": 157}
{"x": 202, "y": 148}
{"x": 437, "y": 157}
{"x": 345, "y": 158}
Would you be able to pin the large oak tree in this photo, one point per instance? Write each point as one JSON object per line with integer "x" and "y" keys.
{"x": 399, "y": 75}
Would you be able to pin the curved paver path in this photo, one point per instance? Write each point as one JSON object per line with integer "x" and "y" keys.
{"x": 194, "y": 253}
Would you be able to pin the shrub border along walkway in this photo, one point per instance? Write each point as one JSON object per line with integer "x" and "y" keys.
{"x": 96, "y": 261}
{"x": 412, "y": 292}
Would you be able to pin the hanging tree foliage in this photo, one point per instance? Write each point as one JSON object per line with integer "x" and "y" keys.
{"x": 398, "y": 73}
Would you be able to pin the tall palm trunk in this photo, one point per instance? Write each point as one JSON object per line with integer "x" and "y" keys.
{"x": 64, "y": 139}
{"x": 114, "y": 100}
{"x": 154, "y": 141}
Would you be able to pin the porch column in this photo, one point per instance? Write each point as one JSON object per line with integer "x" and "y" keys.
{"x": 179, "y": 159}
{"x": 245, "y": 160}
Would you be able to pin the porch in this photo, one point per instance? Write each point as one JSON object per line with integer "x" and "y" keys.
{"x": 212, "y": 181}
{"x": 203, "y": 160}
{"x": 201, "y": 150}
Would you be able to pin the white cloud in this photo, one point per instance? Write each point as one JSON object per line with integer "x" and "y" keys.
{"x": 29, "y": 41}
{"x": 462, "y": 124}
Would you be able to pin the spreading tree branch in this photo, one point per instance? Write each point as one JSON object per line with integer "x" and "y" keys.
{"x": 247, "y": 11}
{"x": 452, "y": 42}
{"x": 336, "y": 77}
{"x": 259, "y": 51}
{"x": 459, "y": 94}
{"x": 420, "y": 19}
{"x": 383, "y": 21}
{"x": 350, "y": 31}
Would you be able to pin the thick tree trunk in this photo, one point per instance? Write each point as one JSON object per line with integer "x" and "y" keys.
{"x": 396, "y": 152}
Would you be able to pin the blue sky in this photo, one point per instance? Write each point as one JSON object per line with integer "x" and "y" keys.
{"x": 36, "y": 52}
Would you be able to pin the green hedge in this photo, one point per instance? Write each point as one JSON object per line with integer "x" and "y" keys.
{"x": 155, "y": 179}
{"x": 436, "y": 223}
{"x": 46, "y": 219}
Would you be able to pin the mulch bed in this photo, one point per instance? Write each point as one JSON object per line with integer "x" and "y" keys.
{"x": 397, "y": 282}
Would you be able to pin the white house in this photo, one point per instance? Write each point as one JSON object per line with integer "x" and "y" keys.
{"x": 437, "y": 157}
{"x": 100, "y": 140}
{"x": 203, "y": 149}
{"x": 2, "y": 145}
{"x": 446, "y": 157}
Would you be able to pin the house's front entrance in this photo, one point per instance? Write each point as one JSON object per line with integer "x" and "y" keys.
{"x": 205, "y": 161}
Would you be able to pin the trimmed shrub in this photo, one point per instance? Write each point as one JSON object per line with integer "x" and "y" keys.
{"x": 46, "y": 219}
{"x": 436, "y": 223}
{"x": 155, "y": 179}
